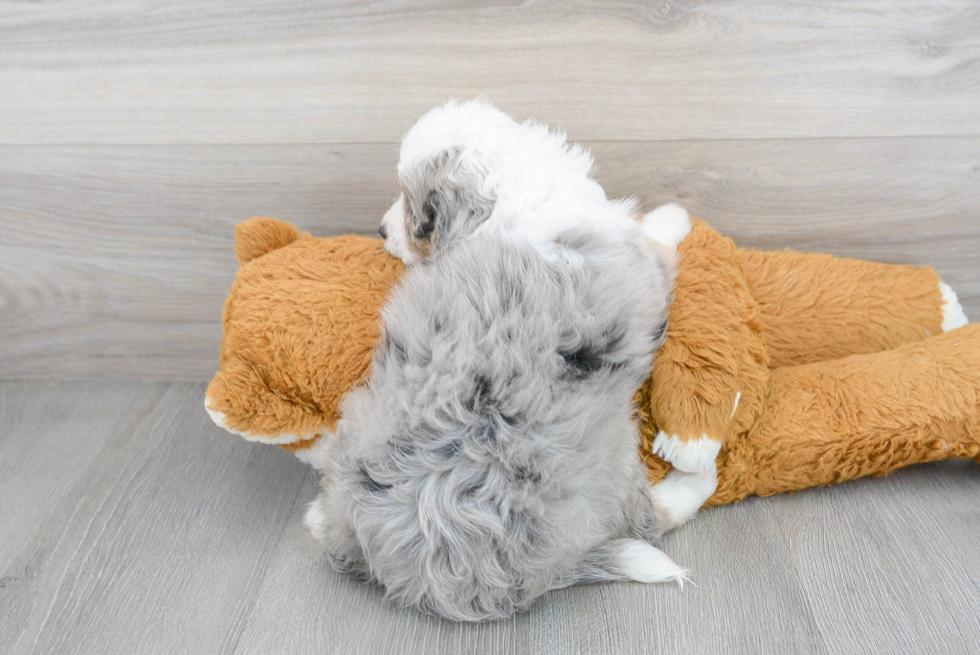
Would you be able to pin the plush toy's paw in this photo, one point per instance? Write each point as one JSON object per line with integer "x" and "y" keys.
{"x": 692, "y": 455}
{"x": 639, "y": 561}
{"x": 221, "y": 420}
{"x": 953, "y": 315}
{"x": 667, "y": 225}
{"x": 680, "y": 495}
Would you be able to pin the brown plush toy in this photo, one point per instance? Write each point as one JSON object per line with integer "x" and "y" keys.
{"x": 788, "y": 370}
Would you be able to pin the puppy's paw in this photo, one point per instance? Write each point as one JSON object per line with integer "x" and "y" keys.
{"x": 692, "y": 455}
{"x": 639, "y": 561}
{"x": 315, "y": 520}
{"x": 953, "y": 315}
{"x": 668, "y": 225}
{"x": 680, "y": 495}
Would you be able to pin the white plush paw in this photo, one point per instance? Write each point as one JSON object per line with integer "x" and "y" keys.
{"x": 693, "y": 455}
{"x": 953, "y": 315}
{"x": 221, "y": 421}
{"x": 667, "y": 225}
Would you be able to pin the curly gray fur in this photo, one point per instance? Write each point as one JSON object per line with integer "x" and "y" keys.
{"x": 492, "y": 456}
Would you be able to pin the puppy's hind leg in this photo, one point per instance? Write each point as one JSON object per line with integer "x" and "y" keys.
{"x": 334, "y": 533}
{"x": 681, "y": 494}
{"x": 315, "y": 519}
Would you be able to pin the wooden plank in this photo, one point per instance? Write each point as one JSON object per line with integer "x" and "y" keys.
{"x": 49, "y": 436}
{"x": 159, "y": 545}
{"x": 889, "y": 566}
{"x": 118, "y": 259}
{"x": 226, "y": 71}
{"x": 115, "y": 260}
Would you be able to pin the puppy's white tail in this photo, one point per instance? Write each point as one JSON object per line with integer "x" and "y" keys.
{"x": 626, "y": 559}
{"x": 668, "y": 225}
{"x": 639, "y": 561}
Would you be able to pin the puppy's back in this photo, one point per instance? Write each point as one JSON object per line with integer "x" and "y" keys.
{"x": 492, "y": 450}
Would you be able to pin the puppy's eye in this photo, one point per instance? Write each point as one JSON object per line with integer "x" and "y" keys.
{"x": 425, "y": 229}
{"x": 427, "y": 222}
{"x": 430, "y": 206}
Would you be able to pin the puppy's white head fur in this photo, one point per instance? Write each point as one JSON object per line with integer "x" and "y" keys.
{"x": 466, "y": 164}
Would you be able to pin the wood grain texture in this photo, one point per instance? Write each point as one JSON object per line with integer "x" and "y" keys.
{"x": 160, "y": 541}
{"x": 170, "y": 536}
{"x": 115, "y": 260}
{"x": 227, "y": 71}
{"x": 37, "y": 420}
{"x": 893, "y": 561}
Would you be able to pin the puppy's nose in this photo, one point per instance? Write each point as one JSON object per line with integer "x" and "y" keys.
{"x": 383, "y": 231}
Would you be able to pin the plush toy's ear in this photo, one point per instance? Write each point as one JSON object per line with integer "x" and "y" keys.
{"x": 257, "y": 236}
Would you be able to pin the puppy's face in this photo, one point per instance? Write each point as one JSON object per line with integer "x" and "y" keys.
{"x": 441, "y": 200}
{"x": 445, "y": 162}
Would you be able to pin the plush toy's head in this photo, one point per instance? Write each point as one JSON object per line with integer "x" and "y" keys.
{"x": 297, "y": 302}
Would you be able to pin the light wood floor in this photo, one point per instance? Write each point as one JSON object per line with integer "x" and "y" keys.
{"x": 134, "y": 135}
{"x": 130, "y": 524}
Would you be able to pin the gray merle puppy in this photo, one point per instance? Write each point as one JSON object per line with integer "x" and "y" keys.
{"x": 492, "y": 454}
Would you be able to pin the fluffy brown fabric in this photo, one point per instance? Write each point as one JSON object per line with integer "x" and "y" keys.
{"x": 815, "y": 307}
{"x": 839, "y": 365}
{"x": 839, "y": 373}
{"x": 299, "y": 325}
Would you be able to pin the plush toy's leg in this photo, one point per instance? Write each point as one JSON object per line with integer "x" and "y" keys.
{"x": 710, "y": 372}
{"x": 239, "y": 397}
{"x": 669, "y": 225}
{"x": 862, "y": 415}
{"x": 815, "y": 307}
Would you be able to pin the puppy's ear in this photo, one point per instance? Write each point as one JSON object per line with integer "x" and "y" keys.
{"x": 446, "y": 200}
{"x": 426, "y": 224}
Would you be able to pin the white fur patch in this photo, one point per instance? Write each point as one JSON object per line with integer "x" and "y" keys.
{"x": 318, "y": 455}
{"x": 953, "y": 315}
{"x": 667, "y": 225}
{"x": 396, "y": 237}
{"x": 281, "y": 438}
{"x": 694, "y": 455}
{"x": 682, "y": 494}
{"x": 315, "y": 519}
{"x": 641, "y": 562}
